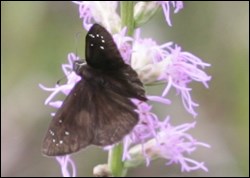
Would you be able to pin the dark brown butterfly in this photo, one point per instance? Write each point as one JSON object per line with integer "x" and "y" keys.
{"x": 99, "y": 109}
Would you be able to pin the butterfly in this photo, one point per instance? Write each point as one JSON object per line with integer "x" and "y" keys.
{"x": 98, "y": 110}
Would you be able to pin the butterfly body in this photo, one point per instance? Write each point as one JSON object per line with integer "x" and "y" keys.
{"x": 98, "y": 110}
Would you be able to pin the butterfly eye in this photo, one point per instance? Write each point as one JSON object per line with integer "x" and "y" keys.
{"x": 77, "y": 66}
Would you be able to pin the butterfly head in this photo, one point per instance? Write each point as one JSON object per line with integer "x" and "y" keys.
{"x": 78, "y": 66}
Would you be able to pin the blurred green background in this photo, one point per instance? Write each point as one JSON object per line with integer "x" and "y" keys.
{"x": 35, "y": 40}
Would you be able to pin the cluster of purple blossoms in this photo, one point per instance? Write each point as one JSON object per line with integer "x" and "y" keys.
{"x": 166, "y": 63}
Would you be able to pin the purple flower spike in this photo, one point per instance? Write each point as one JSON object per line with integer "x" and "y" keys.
{"x": 167, "y": 64}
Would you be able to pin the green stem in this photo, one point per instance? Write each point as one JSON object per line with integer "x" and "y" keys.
{"x": 115, "y": 163}
{"x": 127, "y": 16}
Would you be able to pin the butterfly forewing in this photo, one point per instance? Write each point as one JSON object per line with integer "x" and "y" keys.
{"x": 70, "y": 129}
{"x": 101, "y": 50}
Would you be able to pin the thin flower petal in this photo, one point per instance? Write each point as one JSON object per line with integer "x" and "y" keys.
{"x": 66, "y": 164}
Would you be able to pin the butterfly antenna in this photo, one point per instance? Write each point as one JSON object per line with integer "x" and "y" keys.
{"x": 58, "y": 81}
{"x": 77, "y": 35}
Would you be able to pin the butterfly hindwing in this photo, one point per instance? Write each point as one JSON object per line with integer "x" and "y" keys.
{"x": 115, "y": 117}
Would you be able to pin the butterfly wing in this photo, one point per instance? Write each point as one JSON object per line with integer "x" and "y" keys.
{"x": 103, "y": 54}
{"x": 115, "y": 114}
{"x": 71, "y": 127}
{"x": 92, "y": 113}
{"x": 100, "y": 50}
{"x": 114, "y": 118}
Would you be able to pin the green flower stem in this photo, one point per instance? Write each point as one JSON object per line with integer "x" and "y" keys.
{"x": 127, "y": 16}
{"x": 115, "y": 163}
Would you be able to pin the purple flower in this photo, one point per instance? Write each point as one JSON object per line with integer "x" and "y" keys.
{"x": 65, "y": 88}
{"x": 123, "y": 43}
{"x": 152, "y": 138}
{"x": 103, "y": 12}
{"x": 173, "y": 143}
{"x": 177, "y": 5}
{"x": 167, "y": 63}
{"x": 66, "y": 162}
{"x": 181, "y": 69}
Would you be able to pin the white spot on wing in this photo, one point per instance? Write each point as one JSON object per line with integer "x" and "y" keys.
{"x": 103, "y": 41}
{"x": 53, "y": 140}
{"x": 51, "y": 132}
{"x": 101, "y": 47}
{"x": 97, "y": 35}
{"x": 66, "y": 133}
{"x": 91, "y": 35}
{"x": 60, "y": 121}
{"x": 61, "y": 142}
